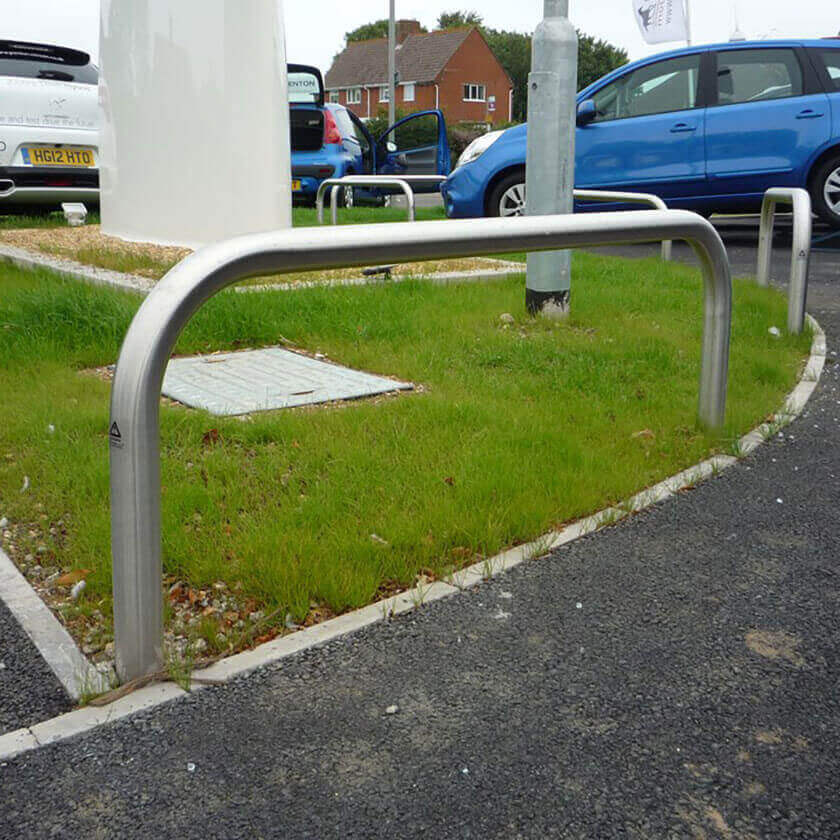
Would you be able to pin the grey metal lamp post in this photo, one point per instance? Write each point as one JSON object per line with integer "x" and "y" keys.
{"x": 550, "y": 174}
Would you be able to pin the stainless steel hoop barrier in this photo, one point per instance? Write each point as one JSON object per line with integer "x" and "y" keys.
{"x": 402, "y": 182}
{"x": 800, "y": 257}
{"x": 358, "y": 181}
{"x": 629, "y": 198}
{"x": 135, "y": 398}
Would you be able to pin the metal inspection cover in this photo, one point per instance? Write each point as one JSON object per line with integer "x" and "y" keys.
{"x": 228, "y": 384}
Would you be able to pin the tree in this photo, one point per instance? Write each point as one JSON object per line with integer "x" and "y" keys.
{"x": 377, "y": 29}
{"x": 457, "y": 20}
{"x": 596, "y": 59}
{"x": 513, "y": 49}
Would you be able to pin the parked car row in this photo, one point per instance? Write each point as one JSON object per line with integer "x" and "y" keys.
{"x": 707, "y": 128}
{"x": 49, "y": 132}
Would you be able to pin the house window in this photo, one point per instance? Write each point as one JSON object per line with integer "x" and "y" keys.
{"x": 474, "y": 93}
{"x": 335, "y": 96}
{"x": 408, "y": 92}
{"x": 384, "y": 94}
{"x": 354, "y": 96}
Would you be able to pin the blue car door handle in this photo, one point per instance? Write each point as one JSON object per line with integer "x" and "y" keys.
{"x": 682, "y": 128}
{"x": 809, "y": 114}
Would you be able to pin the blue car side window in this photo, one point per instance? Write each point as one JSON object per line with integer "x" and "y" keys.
{"x": 658, "y": 88}
{"x": 831, "y": 60}
{"x": 758, "y": 75}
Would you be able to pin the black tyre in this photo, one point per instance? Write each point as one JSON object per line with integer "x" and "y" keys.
{"x": 508, "y": 196}
{"x": 825, "y": 191}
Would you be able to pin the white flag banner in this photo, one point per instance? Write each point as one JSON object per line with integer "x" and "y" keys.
{"x": 661, "y": 20}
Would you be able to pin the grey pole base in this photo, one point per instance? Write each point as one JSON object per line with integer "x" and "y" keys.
{"x": 548, "y": 304}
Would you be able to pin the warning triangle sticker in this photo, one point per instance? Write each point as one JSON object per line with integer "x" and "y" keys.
{"x": 115, "y": 431}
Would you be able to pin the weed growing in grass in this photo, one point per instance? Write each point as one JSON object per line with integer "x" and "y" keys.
{"x": 539, "y": 547}
{"x": 736, "y": 448}
{"x": 770, "y": 429}
{"x": 93, "y": 684}
{"x": 611, "y": 516}
{"x": 180, "y": 668}
{"x": 810, "y": 375}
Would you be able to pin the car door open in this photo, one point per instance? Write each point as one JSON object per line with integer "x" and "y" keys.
{"x": 416, "y": 145}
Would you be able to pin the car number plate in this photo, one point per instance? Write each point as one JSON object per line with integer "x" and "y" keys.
{"x": 296, "y": 186}
{"x": 57, "y": 156}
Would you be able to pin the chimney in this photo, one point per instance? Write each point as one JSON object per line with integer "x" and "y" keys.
{"x": 406, "y": 28}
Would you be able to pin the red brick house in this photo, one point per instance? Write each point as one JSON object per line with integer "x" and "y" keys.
{"x": 454, "y": 70}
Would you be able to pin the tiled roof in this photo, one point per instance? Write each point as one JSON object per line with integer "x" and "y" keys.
{"x": 421, "y": 58}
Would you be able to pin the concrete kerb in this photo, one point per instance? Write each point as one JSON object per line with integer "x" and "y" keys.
{"x": 85, "y": 719}
{"x": 73, "y": 270}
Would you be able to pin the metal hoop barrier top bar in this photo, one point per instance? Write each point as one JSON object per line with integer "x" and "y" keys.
{"x": 135, "y": 396}
{"x": 629, "y": 198}
{"x": 800, "y": 256}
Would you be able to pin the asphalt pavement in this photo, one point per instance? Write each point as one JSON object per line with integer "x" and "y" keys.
{"x": 29, "y": 691}
{"x": 673, "y": 676}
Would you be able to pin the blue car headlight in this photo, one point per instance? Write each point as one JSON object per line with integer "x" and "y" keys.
{"x": 478, "y": 147}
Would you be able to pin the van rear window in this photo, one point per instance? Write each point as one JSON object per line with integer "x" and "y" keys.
{"x": 41, "y": 61}
{"x": 307, "y": 129}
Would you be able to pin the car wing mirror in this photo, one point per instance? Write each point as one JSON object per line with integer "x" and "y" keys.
{"x": 391, "y": 146}
{"x": 586, "y": 112}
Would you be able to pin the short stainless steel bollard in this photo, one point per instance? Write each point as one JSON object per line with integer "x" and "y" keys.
{"x": 800, "y": 257}
{"x": 135, "y": 396}
{"x": 648, "y": 199}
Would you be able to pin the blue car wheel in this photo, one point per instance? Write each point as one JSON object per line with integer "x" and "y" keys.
{"x": 508, "y": 196}
{"x": 825, "y": 191}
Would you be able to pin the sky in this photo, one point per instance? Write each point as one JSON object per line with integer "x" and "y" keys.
{"x": 315, "y": 28}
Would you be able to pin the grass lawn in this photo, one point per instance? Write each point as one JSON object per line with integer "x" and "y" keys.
{"x": 315, "y": 511}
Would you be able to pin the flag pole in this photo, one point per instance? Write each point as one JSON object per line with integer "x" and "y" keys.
{"x": 688, "y": 22}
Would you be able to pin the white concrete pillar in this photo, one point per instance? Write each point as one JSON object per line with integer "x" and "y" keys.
{"x": 195, "y": 133}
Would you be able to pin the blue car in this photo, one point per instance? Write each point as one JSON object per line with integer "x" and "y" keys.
{"x": 706, "y": 128}
{"x": 330, "y": 141}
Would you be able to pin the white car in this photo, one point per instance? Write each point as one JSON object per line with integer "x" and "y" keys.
{"x": 49, "y": 127}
